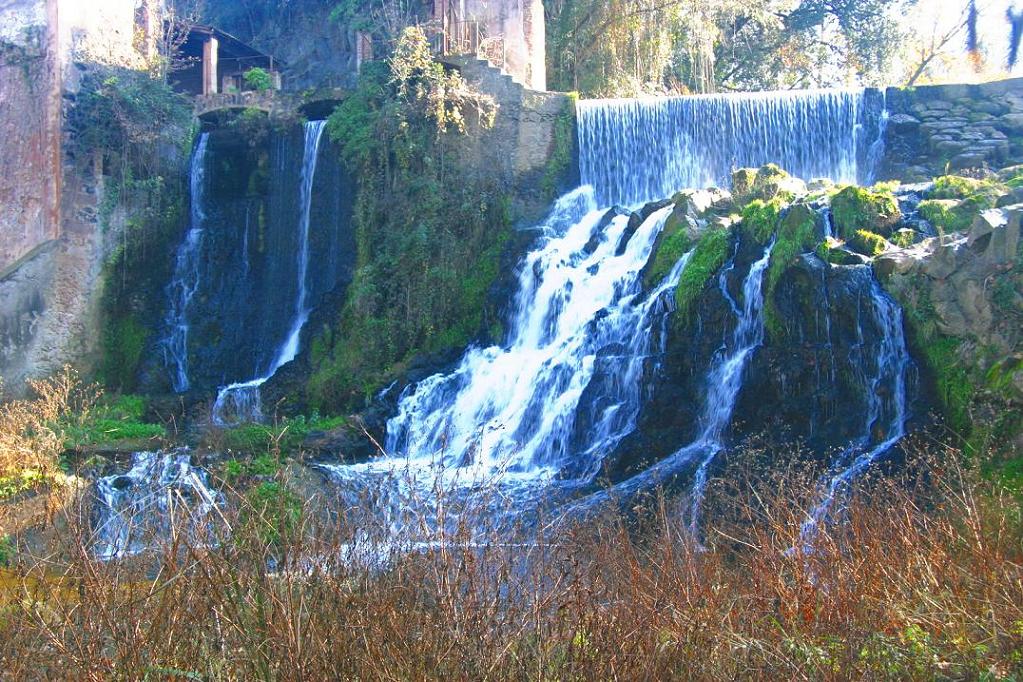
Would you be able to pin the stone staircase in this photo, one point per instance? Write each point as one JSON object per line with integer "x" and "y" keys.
{"x": 485, "y": 76}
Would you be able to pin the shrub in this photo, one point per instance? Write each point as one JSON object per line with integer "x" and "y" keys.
{"x": 258, "y": 79}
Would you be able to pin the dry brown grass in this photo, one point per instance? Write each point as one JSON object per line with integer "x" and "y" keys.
{"x": 922, "y": 579}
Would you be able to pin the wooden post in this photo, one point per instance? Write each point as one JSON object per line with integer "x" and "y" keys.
{"x": 209, "y": 66}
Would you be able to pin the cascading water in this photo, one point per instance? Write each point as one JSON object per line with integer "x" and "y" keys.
{"x": 241, "y": 401}
{"x": 885, "y": 393}
{"x": 636, "y": 150}
{"x": 186, "y": 275}
{"x": 158, "y": 490}
{"x": 564, "y": 389}
{"x": 723, "y": 382}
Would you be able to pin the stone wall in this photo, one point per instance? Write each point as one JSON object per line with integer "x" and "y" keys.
{"x": 29, "y": 129}
{"x": 51, "y": 246}
{"x": 936, "y": 129}
{"x": 517, "y": 151}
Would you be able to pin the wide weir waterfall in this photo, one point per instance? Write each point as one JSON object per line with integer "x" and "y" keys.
{"x": 636, "y": 150}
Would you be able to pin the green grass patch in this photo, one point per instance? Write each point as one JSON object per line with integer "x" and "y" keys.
{"x": 760, "y": 219}
{"x": 283, "y": 438}
{"x": 113, "y": 420}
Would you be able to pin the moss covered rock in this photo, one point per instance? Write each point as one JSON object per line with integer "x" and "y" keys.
{"x": 868, "y": 243}
{"x": 767, "y": 182}
{"x": 710, "y": 254}
{"x": 760, "y": 218}
{"x": 859, "y": 208}
{"x": 797, "y": 234}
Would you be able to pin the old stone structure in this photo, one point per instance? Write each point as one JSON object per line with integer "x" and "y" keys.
{"x": 51, "y": 247}
{"x": 510, "y": 33}
{"x": 940, "y": 128}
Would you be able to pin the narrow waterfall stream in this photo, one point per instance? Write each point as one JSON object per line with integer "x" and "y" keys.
{"x": 884, "y": 422}
{"x": 186, "y": 277}
{"x": 241, "y": 402}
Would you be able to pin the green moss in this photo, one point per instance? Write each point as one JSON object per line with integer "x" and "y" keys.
{"x": 858, "y": 208}
{"x": 868, "y": 243}
{"x": 671, "y": 244}
{"x": 952, "y": 381}
{"x": 708, "y": 257}
{"x": 954, "y": 202}
{"x": 760, "y": 218}
{"x": 562, "y": 149}
{"x": 767, "y": 182}
{"x": 797, "y": 234}
{"x": 124, "y": 341}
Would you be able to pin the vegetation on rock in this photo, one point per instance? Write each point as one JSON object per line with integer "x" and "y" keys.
{"x": 859, "y": 208}
{"x": 709, "y": 255}
{"x": 797, "y": 234}
{"x": 429, "y": 237}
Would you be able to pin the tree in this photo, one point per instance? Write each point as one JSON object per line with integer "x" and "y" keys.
{"x": 628, "y": 46}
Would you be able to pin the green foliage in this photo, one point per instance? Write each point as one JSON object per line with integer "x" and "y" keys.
{"x": 624, "y": 47}
{"x": 23, "y": 481}
{"x": 858, "y": 208}
{"x": 429, "y": 236}
{"x": 760, "y": 218}
{"x": 7, "y": 550}
{"x": 710, "y": 254}
{"x": 866, "y": 242}
{"x": 271, "y": 512}
{"x": 258, "y": 78}
{"x": 797, "y": 234}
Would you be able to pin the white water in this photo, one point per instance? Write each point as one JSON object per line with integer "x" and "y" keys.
{"x": 160, "y": 493}
{"x": 636, "y": 150}
{"x": 241, "y": 402}
{"x": 723, "y": 382}
{"x": 577, "y": 344}
{"x": 185, "y": 282}
{"x": 885, "y": 419}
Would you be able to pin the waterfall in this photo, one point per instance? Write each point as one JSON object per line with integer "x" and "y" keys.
{"x": 564, "y": 389}
{"x": 636, "y": 150}
{"x": 185, "y": 281}
{"x": 885, "y": 417}
{"x": 723, "y": 382}
{"x": 241, "y": 401}
{"x": 158, "y": 490}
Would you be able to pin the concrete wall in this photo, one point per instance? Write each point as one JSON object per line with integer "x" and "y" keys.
{"x": 935, "y": 129}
